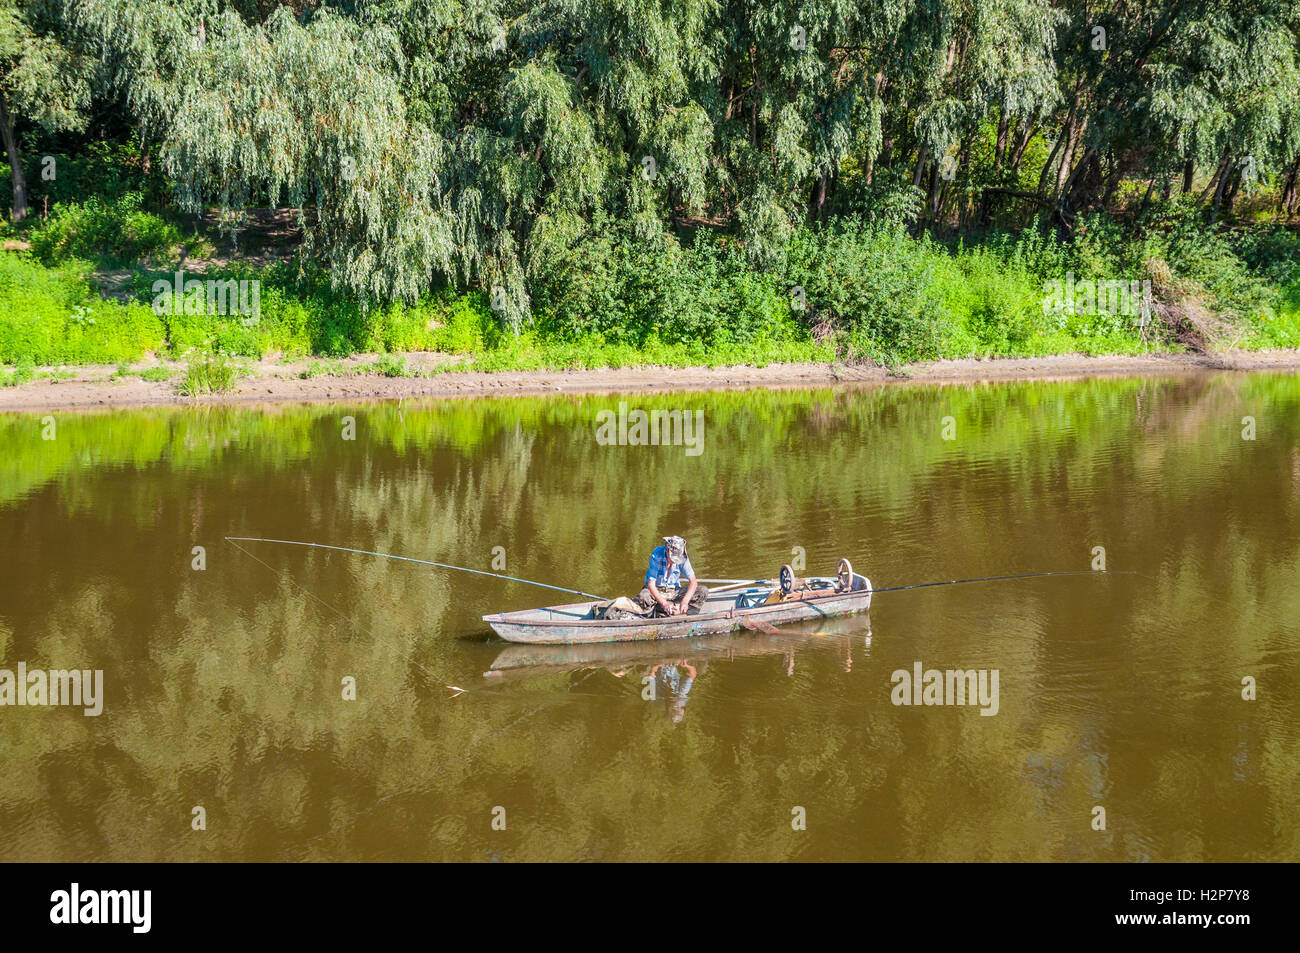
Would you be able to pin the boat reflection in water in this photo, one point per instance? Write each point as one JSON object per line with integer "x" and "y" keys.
{"x": 667, "y": 671}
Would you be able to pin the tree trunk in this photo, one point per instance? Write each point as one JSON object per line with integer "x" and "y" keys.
{"x": 1188, "y": 167}
{"x": 1056, "y": 149}
{"x": 1111, "y": 180}
{"x": 1216, "y": 180}
{"x": 1082, "y": 185}
{"x": 1074, "y": 127}
{"x": 936, "y": 194}
{"x": 818, "y": 196}
{"x": 145, "y": 158}
{"x": 1230, "y": 194}
{"x": 1022, "y": 143}
{"x": 963, "y": 157}
{"x": 1000, "y": 152}
{"x": 1146, "y": 199}
{"x": 1218, "y": 193}
{"x": 1291, "y": 191}
{"x": 15, "y": 162}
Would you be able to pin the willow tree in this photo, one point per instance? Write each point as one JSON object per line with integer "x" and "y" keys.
{"x": 309, "y": 113}
{"x": 42, "y": 78}
{"x": 995, "y": 65}
{"x": 809, "y": 87}
{"x": 474, "y": 141}
{"x": 1226, "y": 94}
{"x": 1155, "y": 87}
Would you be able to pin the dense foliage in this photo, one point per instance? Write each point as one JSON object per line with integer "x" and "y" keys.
{"x": 710, "y": 174}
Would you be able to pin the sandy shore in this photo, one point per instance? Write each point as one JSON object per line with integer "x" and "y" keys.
{"x": 283, "y": 381}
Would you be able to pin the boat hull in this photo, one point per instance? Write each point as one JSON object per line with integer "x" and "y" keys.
{"x": 567, "y": 625}
{"x": 518, "y": 662}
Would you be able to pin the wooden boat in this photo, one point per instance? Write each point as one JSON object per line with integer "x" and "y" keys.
{"x": 761, "y": 606}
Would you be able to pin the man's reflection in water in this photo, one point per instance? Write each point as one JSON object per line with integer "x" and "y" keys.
{"x": 673, "y": 681}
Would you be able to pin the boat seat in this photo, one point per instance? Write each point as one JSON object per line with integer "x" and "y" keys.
{"x": 859, "y": 582}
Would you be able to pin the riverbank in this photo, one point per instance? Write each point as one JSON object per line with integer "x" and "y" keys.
{"x": 356, "y": 378}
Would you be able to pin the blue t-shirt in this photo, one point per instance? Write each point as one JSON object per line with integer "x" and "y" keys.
{"x": 665, "y": 573}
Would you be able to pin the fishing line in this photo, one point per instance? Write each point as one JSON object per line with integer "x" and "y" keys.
{"x": 410, "y": 559}
{"x": 339, "y": 612}
{"x": 348, "y": 619}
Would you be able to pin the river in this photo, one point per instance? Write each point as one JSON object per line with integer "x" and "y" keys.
{"x": 267, "y": 702}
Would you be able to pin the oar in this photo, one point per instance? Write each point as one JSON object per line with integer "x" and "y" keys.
{"x": 945, "y": 582}
{"x": 734, "y": 585}
{"x": 409, "y": 559}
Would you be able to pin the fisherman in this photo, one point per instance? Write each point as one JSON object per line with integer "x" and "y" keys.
{"x": 663, "y": 590}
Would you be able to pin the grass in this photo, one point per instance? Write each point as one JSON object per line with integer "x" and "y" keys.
{"x": 394, "y": 365}
{"x": 324, "y": 369}
{"x": 52, "y": 316}
{"x": 868, "y": 293}
{"x": 21, "y": 374}
{"x": 156, "y": 373}
{"x": 209, "y": 373}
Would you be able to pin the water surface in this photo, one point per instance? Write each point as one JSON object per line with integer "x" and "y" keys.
{"x": 224, "y": 686}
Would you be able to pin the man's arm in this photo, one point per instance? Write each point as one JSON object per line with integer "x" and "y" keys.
{"x": 658, "y": 597}
{"x": 690, "y": 589}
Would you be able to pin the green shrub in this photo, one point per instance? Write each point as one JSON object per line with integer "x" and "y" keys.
{"x": 463, "y": 324}
{"x": 613, "y": 298}
{"x": 116, "y": 231}
{"x": 53, "y": 316}
{"x": 874, "y": 284}
{"x": 1272, "y": 254}
{"x": 614, "y": 287}
{"x": 101, "y": 168}
{"x": 21, "y": 374}
{"x": 392, "y": 366}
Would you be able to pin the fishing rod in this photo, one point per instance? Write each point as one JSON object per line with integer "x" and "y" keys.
{"x": 409, "y": 559}
{"x": 1019, "y": 575}
{"x": 953, "y": 582}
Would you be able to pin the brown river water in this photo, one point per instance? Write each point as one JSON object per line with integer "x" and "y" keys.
{"x": 1118, "y": 730}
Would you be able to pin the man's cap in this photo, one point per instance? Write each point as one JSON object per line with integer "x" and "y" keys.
{"x": 675, "y": 547}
